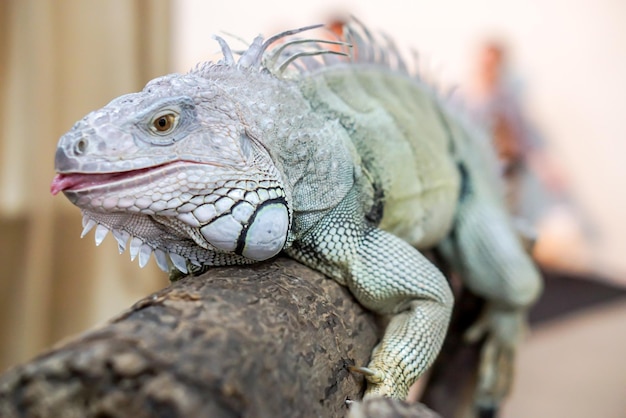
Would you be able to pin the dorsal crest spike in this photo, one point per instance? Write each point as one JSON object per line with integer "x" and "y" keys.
{"x": 301, "y": 54}
{"x": 274, "y": 54}
{"x": 285, "y": 55}
{"x": 226, "y": 51}
{"x": 253, "y": 56}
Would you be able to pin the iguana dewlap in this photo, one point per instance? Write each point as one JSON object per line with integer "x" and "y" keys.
{"x": 347, "y": 163}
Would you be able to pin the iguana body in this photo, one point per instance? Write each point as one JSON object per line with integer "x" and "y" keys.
{"x": 347, "y": 165}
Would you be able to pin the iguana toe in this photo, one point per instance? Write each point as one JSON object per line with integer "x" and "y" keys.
{"x": 371, "y": 375}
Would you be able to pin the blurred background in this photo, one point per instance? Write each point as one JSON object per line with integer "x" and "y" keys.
{"x": 547, "y": 77}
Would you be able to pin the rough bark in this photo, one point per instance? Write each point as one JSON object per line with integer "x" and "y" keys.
{"x": 269, "y": 340}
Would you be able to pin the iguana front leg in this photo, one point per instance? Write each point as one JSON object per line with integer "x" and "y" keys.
{"x": 390, "y": 277}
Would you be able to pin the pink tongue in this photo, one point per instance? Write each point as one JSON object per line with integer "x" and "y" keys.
{"x": 62, "y": 182}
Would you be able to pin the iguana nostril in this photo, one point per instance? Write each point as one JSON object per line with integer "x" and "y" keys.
{"x": 80, "y": 146}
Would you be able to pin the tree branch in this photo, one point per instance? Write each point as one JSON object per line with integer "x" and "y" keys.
{"x": 269, "y": 340}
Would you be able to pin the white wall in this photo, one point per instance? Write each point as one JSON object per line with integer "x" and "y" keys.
{"x": 571, "y": 56}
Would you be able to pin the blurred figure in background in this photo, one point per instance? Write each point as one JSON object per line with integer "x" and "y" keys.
{"x": 494, "y": 104}
{"x": 535, "y": 189}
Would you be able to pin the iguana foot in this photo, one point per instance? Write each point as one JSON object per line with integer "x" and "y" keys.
{"x": 503, "y": 330}
{"x": 380, "y": 383}
{"x": 192, "y": 269}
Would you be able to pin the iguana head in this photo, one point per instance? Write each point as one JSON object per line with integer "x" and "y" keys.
{"x": 176, "y": 170}
{"x": 193, "y": 168}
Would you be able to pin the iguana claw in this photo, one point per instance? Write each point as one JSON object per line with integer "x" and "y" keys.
{"x": 371, "y": 375}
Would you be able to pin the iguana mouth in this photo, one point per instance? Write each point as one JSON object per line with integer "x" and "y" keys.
{"x": 81, "y": 181}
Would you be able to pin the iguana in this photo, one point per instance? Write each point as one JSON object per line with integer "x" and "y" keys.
{"x": 332, "y": 152}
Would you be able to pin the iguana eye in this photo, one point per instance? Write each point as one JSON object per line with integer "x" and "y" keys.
{"x": 164, "y": 123}
{"x": 167, "y": 121}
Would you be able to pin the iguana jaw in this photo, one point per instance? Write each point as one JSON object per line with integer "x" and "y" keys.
{"x": 81, "y": 181}
{"x": 182, "y": 201}
{"x": 144, "y": 236}
{"x": 176, "y": 244}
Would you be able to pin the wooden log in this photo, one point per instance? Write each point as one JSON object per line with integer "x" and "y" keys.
{"x": 273, "y": 339}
